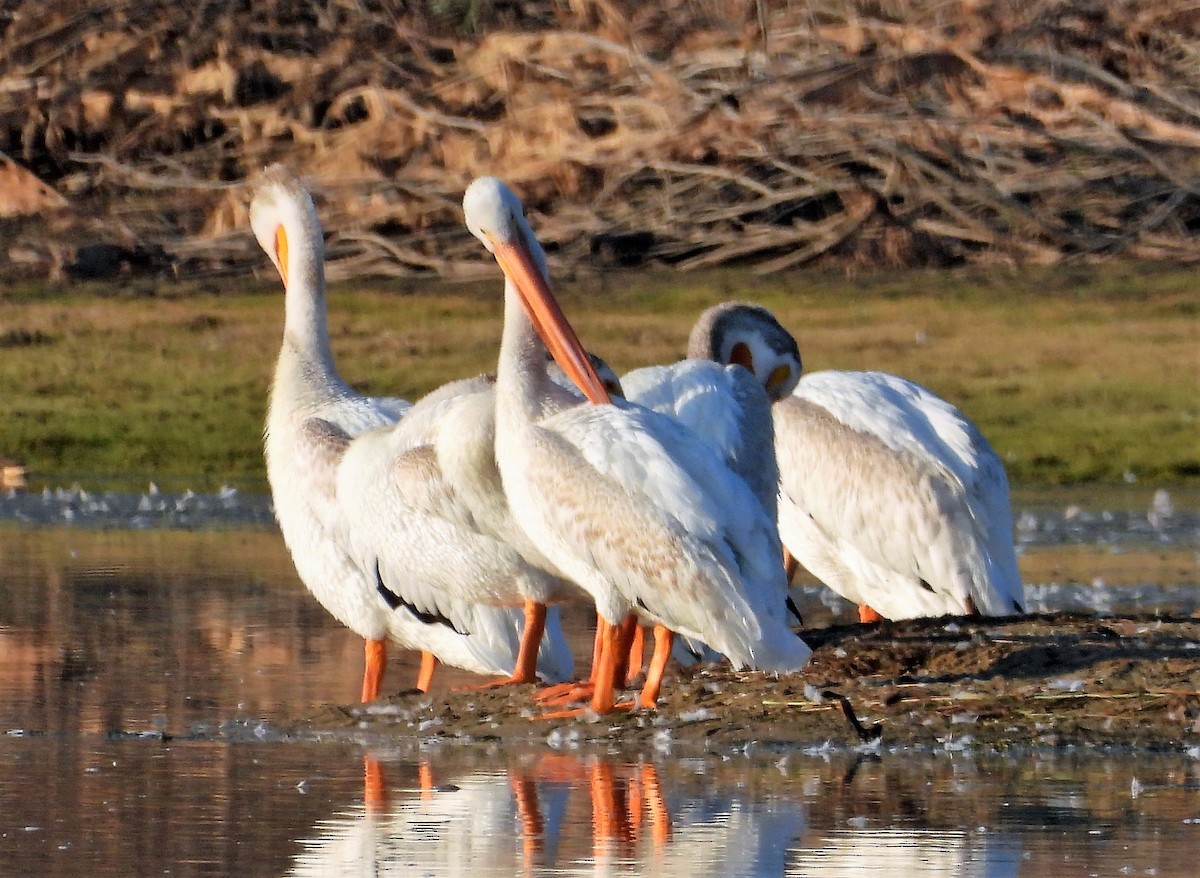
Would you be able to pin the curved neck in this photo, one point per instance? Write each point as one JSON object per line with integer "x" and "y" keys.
{"x": 305, "y": 318}
{"x": 305, "y": 374}
{"x": 521, "y": 379}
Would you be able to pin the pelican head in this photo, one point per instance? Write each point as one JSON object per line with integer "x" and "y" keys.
{"x": 281, "y": 209}
{"x": 496, "y": 217}
{"x": 749, "y": 335}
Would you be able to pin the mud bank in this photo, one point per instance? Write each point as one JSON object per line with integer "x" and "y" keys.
{"x": 1052, "y": 681}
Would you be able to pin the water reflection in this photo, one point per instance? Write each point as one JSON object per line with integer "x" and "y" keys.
{"x": 899, "y": 853}
{"x": 572, "y": 814}
{"x": 546, "y": 812}
{"x": 143, "y": 675}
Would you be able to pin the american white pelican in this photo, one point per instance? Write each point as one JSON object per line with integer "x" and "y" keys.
{"x": 422, "y": 506}
{"x": 312, "y": 417}
{"x": 627, "y": 503}
{"x": 728, "y": 407}
{"x": 888, "y": 494}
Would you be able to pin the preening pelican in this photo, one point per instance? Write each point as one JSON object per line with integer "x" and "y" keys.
{"x": 888, "y": 494}
{"x": 312, "y": 418}
{"x": 626, "y": 503}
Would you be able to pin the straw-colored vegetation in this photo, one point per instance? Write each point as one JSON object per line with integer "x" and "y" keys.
{"x": 1081, "y": 375}
{"x": 697, "y": 134}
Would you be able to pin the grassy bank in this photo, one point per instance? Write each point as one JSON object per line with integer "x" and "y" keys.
{"x": 1076, "y": 375}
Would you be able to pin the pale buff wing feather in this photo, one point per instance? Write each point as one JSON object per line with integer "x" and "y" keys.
{"x": 895, "y": 499}
{"x": 682, "y": 517}
{"x": 910, "y": 418}
{"x": 317, "y": 451}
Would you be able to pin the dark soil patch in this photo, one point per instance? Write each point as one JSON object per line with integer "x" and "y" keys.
{"x": 947, "y": 684}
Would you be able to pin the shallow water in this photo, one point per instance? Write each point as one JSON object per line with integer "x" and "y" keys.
{"x": 146, "y": 668}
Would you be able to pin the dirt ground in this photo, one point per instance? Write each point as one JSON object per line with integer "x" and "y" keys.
{"x": 935, "y": 684}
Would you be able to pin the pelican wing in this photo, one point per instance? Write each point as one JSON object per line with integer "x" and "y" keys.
{"x": 904, "y": 487}
{"x": 724, "y": 405}
{"x": 318, "y": 449}
{"x": 672, "y": 491}
{"x": 905, "y": 417}
{"x": 407, "y": 529}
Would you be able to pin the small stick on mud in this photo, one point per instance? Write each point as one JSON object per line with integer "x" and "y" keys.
{"x": 865, "y": 734}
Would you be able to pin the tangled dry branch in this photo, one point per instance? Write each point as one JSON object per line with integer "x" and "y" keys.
{"x": 859, "y": 133}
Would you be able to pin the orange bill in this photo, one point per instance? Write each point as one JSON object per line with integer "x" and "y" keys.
{"x": 560, "y": 338}
{"x": 281, "y": 252}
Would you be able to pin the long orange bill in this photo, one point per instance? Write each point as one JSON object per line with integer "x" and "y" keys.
{"x": 281, "y": 253}
{"x": 560, "y": 338}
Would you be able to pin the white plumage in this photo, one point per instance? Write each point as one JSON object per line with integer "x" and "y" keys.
{"x": 898, "y": 501}
{"x": 313, "y": 416}
{"x": 725, "y": 406}
{"x": 625, "y": 502}
{"x": 888, "y": 494}
{"x": 423, "y": 506}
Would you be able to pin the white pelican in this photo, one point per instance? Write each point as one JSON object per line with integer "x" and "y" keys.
{"x": 888, "y": 494}
{"x": 423, "y": 507}
{"x": 625, "y": 502}
{"x": 727, "y": 406}
{"x": 312, "y": 416}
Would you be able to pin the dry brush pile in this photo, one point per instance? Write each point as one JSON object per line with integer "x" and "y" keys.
{"x": 686, "y": 132}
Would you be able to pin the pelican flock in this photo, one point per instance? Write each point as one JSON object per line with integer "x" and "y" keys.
{"x": 454, "y": 525}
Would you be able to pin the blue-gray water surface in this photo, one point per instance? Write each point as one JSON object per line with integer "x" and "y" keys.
{"x": 153, "y": 645}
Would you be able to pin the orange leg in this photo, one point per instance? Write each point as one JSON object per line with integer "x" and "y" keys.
{"x": 625, "y": 667}
{"x": 604, "y": 698}
{"x": 637, "y": 648}
{"x": 374, "y": 784}
{"x": 866, "y": 614}
{"x": 425, "y": 675}
{"x": 525, "y": 792}
{"x": 790, "y": 564}
{"x": 597, "y": 648}
{"x": 568, "y": 692}
{"x": 375, "y": 652}
{"x": 531, "y": 638}
{"x": 563, "y": 693}
{"x": 663, "y": 639}
{"x": 604, "y": 694}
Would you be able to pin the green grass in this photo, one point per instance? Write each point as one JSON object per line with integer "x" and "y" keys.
{"x": 1079, "y": 374}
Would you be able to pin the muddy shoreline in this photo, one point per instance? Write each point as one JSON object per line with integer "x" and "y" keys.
{"x": 1051, "y": 681}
